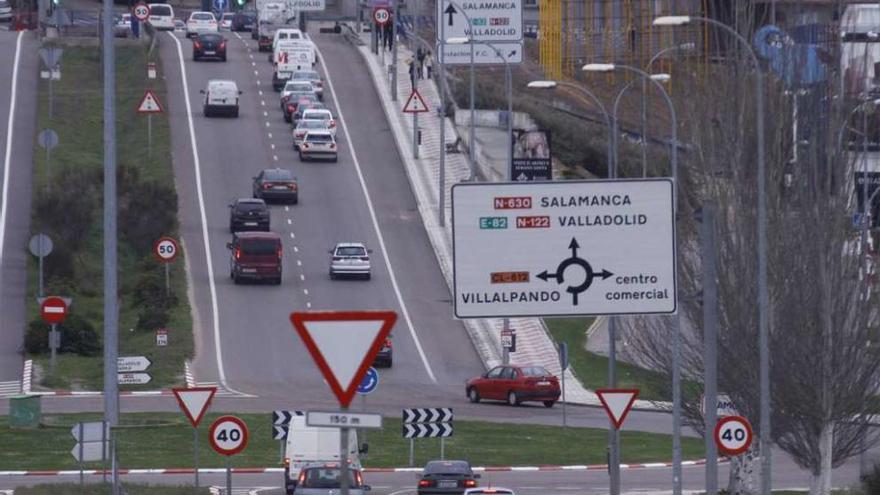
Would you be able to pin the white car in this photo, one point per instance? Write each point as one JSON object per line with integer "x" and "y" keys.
{"x": 313, "y": 77}
{"x": 221, "y": 97}
{"x": 291, "y": 87}
{"x": 201, "y": 22}
{"x": 304, "y": 126}
{"x": 323, "y": 115}
{"x": 5, "y": 11}
{"x": 350, "y": 258}
{"x": 226, "y": 21}
{"x": 318, "y": 144}
{"x": 161, "y": 16}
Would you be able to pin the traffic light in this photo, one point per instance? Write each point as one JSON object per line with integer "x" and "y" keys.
{"x": 241, "y": 3}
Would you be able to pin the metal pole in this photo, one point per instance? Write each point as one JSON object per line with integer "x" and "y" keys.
{"x": 111, "y": 293}
{"x": 441, "y": 206}
{"x": 104, "y": 451}
{"x": 509, "y": 78}
{"x": 196, "y": 454}
{"x": 613, "y": 437}
{"x": 864, "y": 226}
{"x": 50, "y": 92}
{"x": 412, "y": 461}
{"x": 472, "y": 143}
{"x": 41, "y": 267}
{"x": 710, "y": 344}
{"x": 228, "y": 476}
{"x": 505, "y": 351}
{"x": 52, "y": 347}
{"x": 415, "y": 135}
{"x": 167, "y": 280}
{"x": 114, "y": 463}
{"x": 564, "y": 416}
{"x": 394, "y": 19}
{"x": 149, "y": 135}
{"x": 644, "y": 129}
{"x": 343, "y": 459}
{"x": 80, "y": 445}
{"x": 442, "y": 448}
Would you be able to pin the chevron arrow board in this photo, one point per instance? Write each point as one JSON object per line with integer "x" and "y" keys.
{"x": 282, "y": 417}
{"x": 280, "y": 432}
{"x": 428, "y": 415}
{"x": 427, "y": 430}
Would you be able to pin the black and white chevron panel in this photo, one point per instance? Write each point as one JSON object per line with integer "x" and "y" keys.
{"x": 428, "y": 415}
{"x": 280, "y": 432}
{"x": 282, "y": 417}
{"x": 427, "y": 430}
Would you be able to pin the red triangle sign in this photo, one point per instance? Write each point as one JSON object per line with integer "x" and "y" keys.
{"x": 194, "y": 402}
{"x": 617, "y": 403}
{"x": 149, "y": 103}
{"x": 343, "y": 344}
{"x": 415, "y": 103}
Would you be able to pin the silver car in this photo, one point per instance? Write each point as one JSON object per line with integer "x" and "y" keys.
{"x": 325, "y": 479}
{"x": 304, "y": 126}
{"x": 311, "y": 76}
{"x": 350, "y": 258}
{"x": 318, "y": 144}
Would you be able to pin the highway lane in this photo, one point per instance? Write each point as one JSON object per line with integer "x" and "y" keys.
{"x": 261, "y": 353}
{"x": 18, "y": 54}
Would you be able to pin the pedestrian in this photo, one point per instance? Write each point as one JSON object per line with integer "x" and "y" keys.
{"x": 420, "y": 56}
{"x": 389, "y": 38}
{"x": 429, "y": 64}
{"x": 412, "y": 72}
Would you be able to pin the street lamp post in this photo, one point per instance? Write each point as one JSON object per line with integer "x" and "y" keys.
{"x": 763, "y": 295}
{"x": 676, "y": 352}
{"x": 614, "y": 121}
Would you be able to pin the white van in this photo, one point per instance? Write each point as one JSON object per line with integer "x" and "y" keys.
{"x": 221, "y": 96}
{"x": 161, "y": 16}
{"x": 296, "y": 54}
{"x": 308, "y": 445}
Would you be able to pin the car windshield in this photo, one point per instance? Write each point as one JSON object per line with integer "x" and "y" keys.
{"x": 160, "y": 10}
{"x": 247, "y": 207}
{"x": 284, "y": 75}
{"x": 319, "y": 138}
{"x": 322, "y": 116}
{"x": 534, "y": 371}
{"x": 351, "y": 251}
{"x": 447, "y": 467}
{"x": 259, "y": 246}
{"x": 279, "y": 174}
{"x": 211, "y": 38}
{"x": 326, "y": 478}
{"x": 312, "y": 124}
{"x": 228, "y": 16}
{"x": 203, "y": 16}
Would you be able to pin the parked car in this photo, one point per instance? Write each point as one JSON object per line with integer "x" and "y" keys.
{"x": 276, "y": 183}
{"x": 200, "y": 23}
{"x": 243, "y": 21}
{"x": 248, "y": 214}
{"x": 121, "y": 28}
{"x": 350, "y": 258}
{"x": 302, "y": 127}
{"x": 255, "y": 256}
{"x": 221, "y": 96}
{"x": 318, "y": 144}
{"x": 311, "y": 76}
{"x": 385, "y": 357}
{"x": 161, "y": 16}
{"x": 209, "y": 45}
{"x": 446, "y": 477}
{"x": 515, "y": 384}
{"x": 325, "y": 479}
{"x": 225, "y": 23}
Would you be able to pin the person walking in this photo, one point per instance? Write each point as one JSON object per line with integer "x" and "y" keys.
{"x": 412, "y": 72}
{"x": 389, "y": 38}
{"x": 420, "y": 56}
{"x": 429, "y": 64}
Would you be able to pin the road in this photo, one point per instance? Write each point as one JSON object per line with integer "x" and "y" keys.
{"x": 244, "y": 338}
{"x": 18, "y": 99}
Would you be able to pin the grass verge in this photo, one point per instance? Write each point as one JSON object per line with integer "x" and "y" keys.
{"x": 165, "y": 440}
{"x": 147, "y": 209}
{"x": 592, "y": 369}
{"x": 103, "y": 489}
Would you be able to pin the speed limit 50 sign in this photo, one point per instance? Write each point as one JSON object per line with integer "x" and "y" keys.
{"x": 229, "y": 435}
{"x": 141, "y": 11}
{"x": 381, "y": 15}
{"x": 733, "y": 435}
{"x": 166, "y": 249}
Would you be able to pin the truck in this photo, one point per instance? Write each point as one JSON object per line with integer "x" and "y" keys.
{"x": 308, "y": 445}
{"x": 271, "y": 15}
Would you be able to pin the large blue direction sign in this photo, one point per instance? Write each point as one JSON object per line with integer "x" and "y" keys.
{"x": 369, "y": 383}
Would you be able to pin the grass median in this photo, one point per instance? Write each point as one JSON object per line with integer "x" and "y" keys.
{"x": 104, "y": 489}
{"x": 165, "y": 440}
{"x": 68, "y": 206}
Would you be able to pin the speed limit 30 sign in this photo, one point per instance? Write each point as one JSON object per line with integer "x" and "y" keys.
{"x": 381, "y": 15}
{"x": 166, "y": 249}
{"x": 733, "y": 435}
{"x": 141, "y": 11}
{"x": 229, "y": 435}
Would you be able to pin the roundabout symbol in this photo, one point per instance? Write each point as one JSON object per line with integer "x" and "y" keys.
{"x": 574, "y": 290}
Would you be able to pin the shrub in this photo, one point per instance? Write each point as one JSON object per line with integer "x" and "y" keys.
{"x": 69, "y": 211}
{"x": 147, "y": 210}
{"x": 78, "y": 336}
{"x": 150, "y": 295}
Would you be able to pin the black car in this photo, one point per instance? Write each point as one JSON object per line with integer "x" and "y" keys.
{"x": 244, "y": 21}
{"x": 209, "y": 45}
{"x": 447, "y": 477}
{"x": 248, "y": 214}
{"x": 276, "y": 183}
{"x": 280, "y": 78}
{"x": 385, "y": 357}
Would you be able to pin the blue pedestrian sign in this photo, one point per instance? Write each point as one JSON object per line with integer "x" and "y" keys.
{"x": 220, "y": 4}
{"x": 369, "y": 383}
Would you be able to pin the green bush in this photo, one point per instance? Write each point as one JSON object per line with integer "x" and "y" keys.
{"x": 78, "y": 336}
{"x": 147, "y": 210}
{"x": 151, "y": 297}
{"x": 68, "y": 212}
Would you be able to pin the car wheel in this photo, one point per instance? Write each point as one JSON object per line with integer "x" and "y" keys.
{"x": 195, "y": 58}
{"x": 335, "y": 159}
{"x": 367, "y": 277}
{"x": 206, "y": 112}
{"x": 235, "y": 279}
{"x": 223, "y": 59}
{"x": 332, "y": 276}
{"x": 296, "y": 200}
{"x": 277, "y": 281}
{"x": 287, "y": 118}
{"x": 512, "y": 399}
{"x": 549, "y": 403}
{"x": 235, "y": 113}
{"x": 473, "y": 395}
{"x": 231, "y": 228}
{"x": 301, "y": 158}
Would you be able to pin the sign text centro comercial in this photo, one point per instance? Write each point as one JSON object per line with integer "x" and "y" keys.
{"x": 564, "y": 248}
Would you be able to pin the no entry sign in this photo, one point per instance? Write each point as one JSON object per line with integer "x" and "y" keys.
{"x": 53, "y": 310}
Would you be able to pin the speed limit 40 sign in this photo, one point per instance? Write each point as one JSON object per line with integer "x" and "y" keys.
{"x": 229, "y": 435}
{"x": 733, "y": 435}
{"x": 141, "y": 11}
{"x": 166, "y": 249}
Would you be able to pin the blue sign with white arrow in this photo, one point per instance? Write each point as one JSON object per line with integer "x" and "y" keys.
{"x": 369, "y": 383}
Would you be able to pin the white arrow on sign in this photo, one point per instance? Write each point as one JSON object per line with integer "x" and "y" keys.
{"x": 129, "y": 364}
{"x": 134, "y": 378}
{"x": 91, "y": 451}
{"x": 91, "y": 432}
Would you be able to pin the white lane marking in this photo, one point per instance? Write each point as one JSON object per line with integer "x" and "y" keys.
{"x": 255, "y": 72}
{"x": 254, "y": 64}
{"x": 286, "y": 208}
{"x": 272, "y": 145}
{"x": 275, "y": 157}
{"x": 306, "y": 291}
{"x": 301, "y": 277}
{"x": 258, "y": 83}
{"x": 299, "y": 263}
{"x": 357, "y": 167}
{"x": 295, "y": 249}
{"x": 270, "y": 135}
{"x": 215, "y": 313}
{"x": 251, "y": 55}
{"x": 289, "y": 221}
{"x": 263, "y": 102}
{"x": 260, "y": 91}
{"x": 308, "y": 305}
{"x": 267, "y": 124}
{"x": 265, "y": 113}
{"x": 7, "y": 163}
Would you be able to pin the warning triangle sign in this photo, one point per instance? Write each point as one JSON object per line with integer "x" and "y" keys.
{"x": 617, "y": 403}
{"x": 194, "y": 402}
{"x": 415, "y": 103}
{"x": 149, "y": 103}
{"x": 343, "y": 344}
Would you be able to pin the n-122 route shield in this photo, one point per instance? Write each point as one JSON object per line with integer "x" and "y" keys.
{"x": 564, "y": 248}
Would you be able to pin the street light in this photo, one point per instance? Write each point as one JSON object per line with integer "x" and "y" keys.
{"x": 662, "y": 77}
{"x": 763, "y": 295}
{"x": 676, "y": 345}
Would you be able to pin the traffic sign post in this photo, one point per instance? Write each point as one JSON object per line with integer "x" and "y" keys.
{"x": 48, "y": 140}
{"x": 427, "y": 422}
{"x": 149, "y": 105}
{"x": 229, "y": 436}
{"x": 166, "y": 249}
{"x": 51, "y": 57}
{"x": 415, "y": 105}
{"x": 194, "y": 402}
{"x": 733, "y": 435}
{"x": 40, "y": 246}
{"x": 53, "y": 310}
{"x": 93, "y": 441}
{"x": 381, "y": 16}
{"x": 563, "y": 365}
{"x": 563, "y": 248}
{"x": 141, "y": 11}
{"x": 617, "y": 404}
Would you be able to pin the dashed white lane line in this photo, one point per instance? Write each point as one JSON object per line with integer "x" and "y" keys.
{"x": 273, "y": 147}
{"x": 265, "y": 113}
{"x": 302, "y": 277}
{"x": 289, "y": 222}
{"x": 251, "y": 56}
{"x": 256, "y": 73}
{"x": 254, "y": 64}
{"x": 263, "y": 102}
{"x": 308, "y": 305}
{"x": 306, "y": 291}
{"x": 295, "y": 249}
{"x": 260, "y": 91}
{"x": 267, "y": 124}
{"x": 299, "y": 263}
{"x": 286, "y": 208}
{"x": 7, "y": 162}
{"x": 258, "y": 83}
{"x": 291, "y": 235}
{"x": 270, "y": 135}
{"x": 275, "y": 157}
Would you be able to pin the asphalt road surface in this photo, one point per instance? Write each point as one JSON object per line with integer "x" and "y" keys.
{"x": 18, "y": 99}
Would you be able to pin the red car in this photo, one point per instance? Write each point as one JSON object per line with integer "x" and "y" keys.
{"x": 515, "y": 384}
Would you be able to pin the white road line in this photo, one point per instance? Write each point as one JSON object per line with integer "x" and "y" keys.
{"x": 267, "y": 124}
{"x": 263, "y": 102}
{"x": 379, "y": 235}
{"x": 292, "y": 235}
{"x": 254, "y": 64}
{"x": 275, "y": 157}
{"x": 260, "y": 91}
{"x": 265, "y": 113}
{"x": 272, "y": 145}
{"x": 270, "y": 135}
{"x": 308, "y": 305}
{"x": 258, "y": 83}
{"x": 302, "y": 277}
{"x": 251, "y": 56}
{"x": 215, "y": 314}
{"x": 289, "y": 221}
{"x": 286, "y": 208}
{"x": 306, "y": 291}
{"x": 7, "y": 163}
{"x": 299, "y": 263}
{"x": 295, "y": 249}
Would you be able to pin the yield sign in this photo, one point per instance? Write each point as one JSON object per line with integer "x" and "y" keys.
{"x": 194, "y": 402}
{"x": 149, "y": 103}
{"x": 415, "y": 103}
{"x": 343, "y": 344}
{"x": 617, "y": 403}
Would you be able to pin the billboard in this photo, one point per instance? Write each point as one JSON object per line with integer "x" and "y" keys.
{"x": 532, "y": 159}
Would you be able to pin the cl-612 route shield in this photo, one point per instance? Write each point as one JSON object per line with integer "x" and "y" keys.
{"x": 564, "y": 248}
